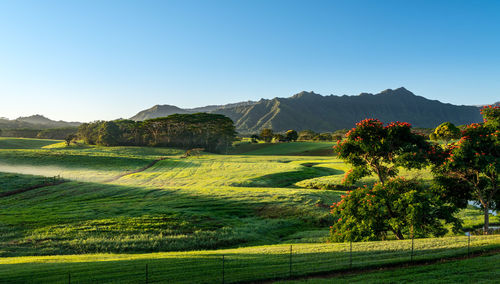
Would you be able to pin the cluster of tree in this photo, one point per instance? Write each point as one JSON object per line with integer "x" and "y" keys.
{"x": 463, "y": 171}
{"x": 50, "y": 133}
{"x": 214, "y": 132}
{"x": 309, "y": 135}
{"x": 268, "y": 135}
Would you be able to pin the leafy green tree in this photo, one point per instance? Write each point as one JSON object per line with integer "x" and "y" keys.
{"x": 323, "y": 137}
{"x": 88, "y": 132}
{"x": 291, "y": 135}
{"x": 433, "y": 136}
{"x": 266, "y": 134}
{"x": 337, "y": 137}
{"x": 109, "y": 134}
{"x": 254, "y": 138}
{"x": 306, "y": 135}
{"x": 491, "y": 115}
{"x": 446, "y": 131}
{"x": 470, "y": 168}
{"x": 372, "y": 148}
{"x": 69, "y": 139}
{"x": 400, "y": 206}
{"x": 279, "y": 138}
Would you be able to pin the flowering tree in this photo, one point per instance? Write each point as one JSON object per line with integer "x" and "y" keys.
{"x": 398, "y": 206}
{"x": 372, "y": 148}
{"x": 471, "y": 165}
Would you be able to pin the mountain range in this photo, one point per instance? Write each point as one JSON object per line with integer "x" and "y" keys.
{"x": 308, "y": 110}
{"x": 35, "y": 122}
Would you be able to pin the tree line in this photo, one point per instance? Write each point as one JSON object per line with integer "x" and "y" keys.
{"x": 213, "y": 132}
{"x": 268, "y": 135}
{"x": 49, "y": 133}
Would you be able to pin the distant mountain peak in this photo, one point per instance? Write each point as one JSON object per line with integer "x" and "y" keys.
{"x": 38, "y": 121}
{"x": 305, "y": 94}
{"x": 398, "y": 91}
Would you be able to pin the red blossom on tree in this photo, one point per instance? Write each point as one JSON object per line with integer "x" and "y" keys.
{"x": 372, "y": 148}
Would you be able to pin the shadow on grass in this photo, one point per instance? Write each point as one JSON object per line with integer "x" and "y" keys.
{"x": 84, "y": 217}
{"x": 288, "y": 179}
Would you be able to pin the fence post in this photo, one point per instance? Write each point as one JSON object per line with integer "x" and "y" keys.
{"x": 69, "y": 277}
{"x": 222, "y": 269}
{"x": 290, "y": 274}
{"x": 468, "y": 245}
{"x": 411, "y": 257}
{"x": 350, "y": 255}
{"x": 147, "y": 276}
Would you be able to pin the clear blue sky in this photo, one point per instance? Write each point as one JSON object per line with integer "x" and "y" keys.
{"x": 87, "y": 60}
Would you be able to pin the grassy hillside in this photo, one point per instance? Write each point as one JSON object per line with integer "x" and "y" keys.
{"x": 202, "y": 202}
{"x": 12, "y": 181}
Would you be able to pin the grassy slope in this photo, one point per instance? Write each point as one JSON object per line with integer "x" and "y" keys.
{"x": 178, "y": 204}
{"x": 243, "y": 264}
{"x": 12, "y": 181}
{"x": 24, "y": 143}
{"x": 484, "y": 269}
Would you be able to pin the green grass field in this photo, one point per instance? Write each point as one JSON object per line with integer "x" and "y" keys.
{"x": 286, "y": 149}
{"x": 24, "y": 143}
{"x": 482, "y": 269}
{"x": 212, "y": 202}
{"x": 242, "y": 264}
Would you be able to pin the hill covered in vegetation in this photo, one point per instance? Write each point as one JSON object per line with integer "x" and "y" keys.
{"x": 34, "y": 122}
{"x": 308, "y": 110}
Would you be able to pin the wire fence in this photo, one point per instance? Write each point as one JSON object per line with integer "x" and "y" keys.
{"x": 252, "y": 264}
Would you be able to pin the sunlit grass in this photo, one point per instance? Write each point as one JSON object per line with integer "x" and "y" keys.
{"x": 179, "y": 204}
{"x": 241, "y": 264}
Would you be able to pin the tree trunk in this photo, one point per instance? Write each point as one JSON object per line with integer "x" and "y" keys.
{"x": 398, "y": 234}
{"x": 486, "y": 220}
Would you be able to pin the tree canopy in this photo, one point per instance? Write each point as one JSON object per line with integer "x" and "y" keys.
{"x": 372, "y": 148}
{"x": 470, "y": 167}
{"x": 214, "y": 132}
{"x": 402, "y": 207}
{"x": 267, "y": 134}
{"x": 446, "y": 131}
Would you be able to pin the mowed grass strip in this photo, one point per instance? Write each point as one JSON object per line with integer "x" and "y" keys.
{"x": 243, "y": 264}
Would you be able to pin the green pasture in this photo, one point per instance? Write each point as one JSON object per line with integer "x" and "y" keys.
{"x": 287, "y": 149}
{"x": 483, "y": 269}
{"x": 24, "y": 143}
{"x": 208, "y": 202}
{"x": 13, "y": 181}
{"x": 241, "y": 264}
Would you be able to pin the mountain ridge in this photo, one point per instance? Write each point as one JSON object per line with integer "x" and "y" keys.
{"x": 309, "y": 110}
{"x": 36, "y": 121}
